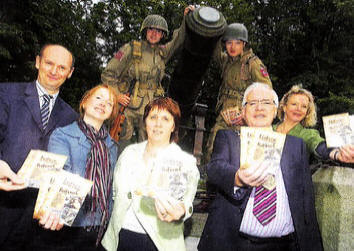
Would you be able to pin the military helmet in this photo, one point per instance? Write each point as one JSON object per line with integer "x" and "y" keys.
{"x": 236, "y": 31}
{"x": 154, "y": 21}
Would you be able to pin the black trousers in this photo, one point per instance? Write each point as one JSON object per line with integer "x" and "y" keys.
{"x": 251, "y": 243}
{"x": 66, "y": 239}
{"x": 16, "y": 211}
{"x": 132, "y": 241}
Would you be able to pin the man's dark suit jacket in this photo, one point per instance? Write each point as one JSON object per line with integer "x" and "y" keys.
{"x": 221, "y": 231}
{"x": 20, "y": 131}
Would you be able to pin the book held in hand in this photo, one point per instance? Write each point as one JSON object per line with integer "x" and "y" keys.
{"x": 230, "y": 115}
{"x": 339, "y": 129}
{"x": 39, "y": 162}
{"x": 166, "y": 178}
{"x": 262, "y": 145}
{"x": 63, "y": 194}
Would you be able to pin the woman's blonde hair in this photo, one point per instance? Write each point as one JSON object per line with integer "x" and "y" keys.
{"x": 90, "y": 92}
{"x": 311, "y": 115}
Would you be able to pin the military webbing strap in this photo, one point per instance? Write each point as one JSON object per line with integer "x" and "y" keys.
{"x": 136, "y": 60}
{"x": 252, "y": 57}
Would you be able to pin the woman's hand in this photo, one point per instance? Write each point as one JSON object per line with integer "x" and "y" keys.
{"x": 51, "y": 221}
{"x": 188, "y": 9}
{"x": 169, "y": 209}
{"x": 346, "y": 154}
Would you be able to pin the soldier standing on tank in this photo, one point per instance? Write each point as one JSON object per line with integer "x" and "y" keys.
{"x": 240, "y": 67}
{"x": 143, "y": 62}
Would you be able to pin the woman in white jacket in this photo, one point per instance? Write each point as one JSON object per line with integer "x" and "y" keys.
{"x": 154, "y": 186}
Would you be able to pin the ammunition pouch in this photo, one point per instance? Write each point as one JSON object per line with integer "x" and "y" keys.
{"x": 230, "y": 92}
{"x": 228, "y": 98}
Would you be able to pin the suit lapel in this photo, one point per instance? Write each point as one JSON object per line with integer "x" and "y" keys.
{"x": 292, "y": 174}
{"x": 32, "y": 102}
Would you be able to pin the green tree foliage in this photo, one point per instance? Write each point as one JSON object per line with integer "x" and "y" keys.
{"x": 27, "y": 25}
{"x": 300, "y": 41}
{"x": 309, "y": 42}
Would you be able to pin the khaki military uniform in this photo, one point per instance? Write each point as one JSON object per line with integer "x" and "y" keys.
{"x": 237, "y": 74}
{"x": 146, "y": 64}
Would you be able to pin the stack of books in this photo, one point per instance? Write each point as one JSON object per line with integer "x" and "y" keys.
{"x": 60, "y": 192}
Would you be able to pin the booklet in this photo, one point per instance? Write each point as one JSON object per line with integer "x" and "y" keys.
{"x": 63, "y": 194}
{"x": 230, "y": 115}
{"x": 167, "y": 178}
{"x": 50, "y": 181}
{"x": 39, "y": 162}
{"x": 338, "y": 129}
{"x": 259, "y": 145}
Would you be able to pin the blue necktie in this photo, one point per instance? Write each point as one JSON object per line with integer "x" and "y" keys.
{"x": 45, "y": 110}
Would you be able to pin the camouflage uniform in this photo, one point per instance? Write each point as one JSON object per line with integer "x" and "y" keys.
{"x": 148, "y": 70}
{"x": 237, "y": 74}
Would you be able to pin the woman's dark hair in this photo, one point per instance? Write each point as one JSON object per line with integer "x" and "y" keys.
{"x": 169, "y": 105}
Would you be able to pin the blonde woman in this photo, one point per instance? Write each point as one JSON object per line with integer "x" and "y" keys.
{"x": 297, "y": 112}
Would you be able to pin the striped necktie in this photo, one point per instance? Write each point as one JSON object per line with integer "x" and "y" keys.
{"x": 265, "y": 204}
{"x": 45, "y": 110}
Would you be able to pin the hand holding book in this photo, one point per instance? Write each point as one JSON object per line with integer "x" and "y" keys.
{"x": 260, "y": 148}
{"x": 168, "y": 209}
{"x": 51, "y": 220}
{"x": 232, "y": 116}
{"x": 255, "y": 174}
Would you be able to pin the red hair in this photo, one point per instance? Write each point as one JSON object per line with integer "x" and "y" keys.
{"x": 90, "y": 92}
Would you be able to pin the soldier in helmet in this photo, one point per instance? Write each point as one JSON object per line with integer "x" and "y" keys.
{"x": 144, "y": 63}
{"x": 239, "y": 68}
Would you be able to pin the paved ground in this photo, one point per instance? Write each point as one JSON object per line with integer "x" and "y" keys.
{"x": 191, "y": 243}
{"x": 193, "y": 229}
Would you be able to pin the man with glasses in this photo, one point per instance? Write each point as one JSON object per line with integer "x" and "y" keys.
{"x": 233, "y": 223}
{"x": 142, "y": 62}
{"x": 240, "y": 67}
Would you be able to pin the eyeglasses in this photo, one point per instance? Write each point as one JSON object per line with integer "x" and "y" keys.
{"x": 263, "y": 102}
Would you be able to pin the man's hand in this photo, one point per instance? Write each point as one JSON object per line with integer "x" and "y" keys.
{"x": 254, "y": 175}
{"x": 168, "y": 209}
{"x": 50, "y": 221}
{"x": 123, "y": 99}
{"x": 9, "y": 181}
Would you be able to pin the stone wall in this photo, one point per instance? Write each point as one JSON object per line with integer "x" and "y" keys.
{"x": 334, "y": 199}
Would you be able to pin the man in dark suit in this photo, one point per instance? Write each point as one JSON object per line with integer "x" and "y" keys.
{"x": 29, "y": 112}
{"x": 288, "y": 222}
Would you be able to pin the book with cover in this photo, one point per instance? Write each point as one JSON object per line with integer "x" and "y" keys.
{"x": 230, "y": 115}
{"x": 66, "y": 196}
{"x": 166, "y": 179}
{"x": 39, "y": 162}
{"x": 50, "y": 181}
{"x": 338, "y": 130}
{"x": 262, "y": 145}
